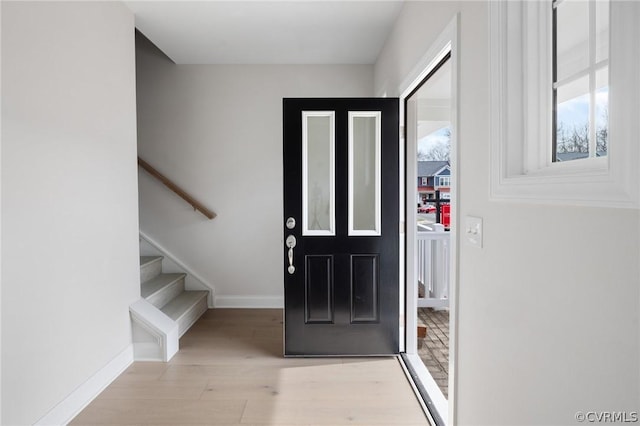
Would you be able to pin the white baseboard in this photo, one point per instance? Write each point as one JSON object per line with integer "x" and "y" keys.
{"x": 249, "y": 302}
{"x": 71, "y": 406}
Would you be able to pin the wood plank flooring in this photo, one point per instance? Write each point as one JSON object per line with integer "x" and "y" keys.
{"x": 230, "y": 371}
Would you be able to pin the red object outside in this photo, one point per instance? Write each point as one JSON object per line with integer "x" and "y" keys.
{"x": 428, "y": 208}
{"x": 445, "y": 215}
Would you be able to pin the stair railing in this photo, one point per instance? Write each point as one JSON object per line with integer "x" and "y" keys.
{"x": 175, "y": 188}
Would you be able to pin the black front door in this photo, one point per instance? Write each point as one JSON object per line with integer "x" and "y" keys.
{"x": 341, "y": 215}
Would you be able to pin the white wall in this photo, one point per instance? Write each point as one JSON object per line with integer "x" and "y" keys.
{"x": 69, "y": 198}
{"x": 549, "y": 308}
{"x": 0, "y": 218}
{"x": 216, "y": 130}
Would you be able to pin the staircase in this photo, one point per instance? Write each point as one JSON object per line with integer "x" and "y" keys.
{"x": 165, "y": 312}
{"x": 166, "y": 292}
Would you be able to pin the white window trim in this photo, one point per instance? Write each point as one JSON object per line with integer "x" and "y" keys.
{"x": 521, "y": 169}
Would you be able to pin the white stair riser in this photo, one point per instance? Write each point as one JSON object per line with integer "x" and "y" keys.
{"x": 165, "y": 313}
{"x": 191, "y": 316}
{"x": 150, "y": 270}
{"x": 164, "y": 296}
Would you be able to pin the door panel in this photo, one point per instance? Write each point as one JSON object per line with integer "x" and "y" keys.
{"x": 319, "y": 289}
{"x": 341, "y": 185}
{"x": 365, "y": 287}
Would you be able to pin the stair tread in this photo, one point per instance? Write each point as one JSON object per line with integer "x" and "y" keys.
{"x": 182, "y": 303}
{"x": 157, "y": 283}
{"x": 145, "y": 260}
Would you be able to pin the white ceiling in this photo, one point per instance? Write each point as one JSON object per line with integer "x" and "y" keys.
{"x": 267, "y": 32}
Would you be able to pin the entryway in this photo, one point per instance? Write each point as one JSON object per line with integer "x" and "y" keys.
{"x": 430, "y": 124}
{"x": 431, "y": 102}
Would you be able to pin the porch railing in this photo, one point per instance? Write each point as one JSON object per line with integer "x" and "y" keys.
{"x": 433, "y": 267}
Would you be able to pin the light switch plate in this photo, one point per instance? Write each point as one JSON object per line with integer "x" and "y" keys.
{"x": 473, "y": 231}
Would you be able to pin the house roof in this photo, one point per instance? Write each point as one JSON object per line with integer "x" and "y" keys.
{"x": 431, "y": 168}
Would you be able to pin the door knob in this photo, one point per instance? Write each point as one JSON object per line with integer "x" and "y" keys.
{"x": 291, "y": 243}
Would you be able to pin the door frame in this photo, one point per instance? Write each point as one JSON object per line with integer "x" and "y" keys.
{"x": 447, "y": 42}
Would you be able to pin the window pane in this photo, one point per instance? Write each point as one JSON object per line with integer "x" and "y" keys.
{"x": 444, "y": 181}
{"x": 582, "y": 42}
{"x": 318, "y": 173}
{"x": 572, "y": 120}
{"x": 572, "y": 43}
{"x": 602, "y": 30}
{"x": 602, "y": 111}
{"x": 364, "y": 173}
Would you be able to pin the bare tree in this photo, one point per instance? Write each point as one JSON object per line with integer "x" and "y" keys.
{"x": 438, "y": 152}
{"x": 576, "y": 139}
{"x": 573, "y": 140}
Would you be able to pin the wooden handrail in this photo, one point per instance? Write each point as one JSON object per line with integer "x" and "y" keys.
{"x": 175, "y": 188}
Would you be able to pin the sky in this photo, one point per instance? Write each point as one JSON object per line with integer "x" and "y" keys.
{"x": 576, "y": 111}
{"x": 425, "y": 144}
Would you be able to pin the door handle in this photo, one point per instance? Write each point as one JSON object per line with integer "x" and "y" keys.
{"x": 291, "y": 243}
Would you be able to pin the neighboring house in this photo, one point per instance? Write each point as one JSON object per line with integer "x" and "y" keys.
{"x": 433, "y": 176}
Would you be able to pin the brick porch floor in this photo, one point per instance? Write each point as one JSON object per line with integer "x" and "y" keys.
{"x": 435, "y": 349}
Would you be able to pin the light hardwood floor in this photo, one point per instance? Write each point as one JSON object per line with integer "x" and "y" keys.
{"x": 230, "y": 371}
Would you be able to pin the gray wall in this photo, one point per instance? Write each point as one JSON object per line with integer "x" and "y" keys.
{"x": 69, "y": 198}
{"x": 216, "y": 130}
{"x": 549, "y": 308}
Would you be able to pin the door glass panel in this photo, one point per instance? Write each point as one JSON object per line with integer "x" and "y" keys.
{"x": 364, "y": 173}
{"x": 318, "y": 173}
